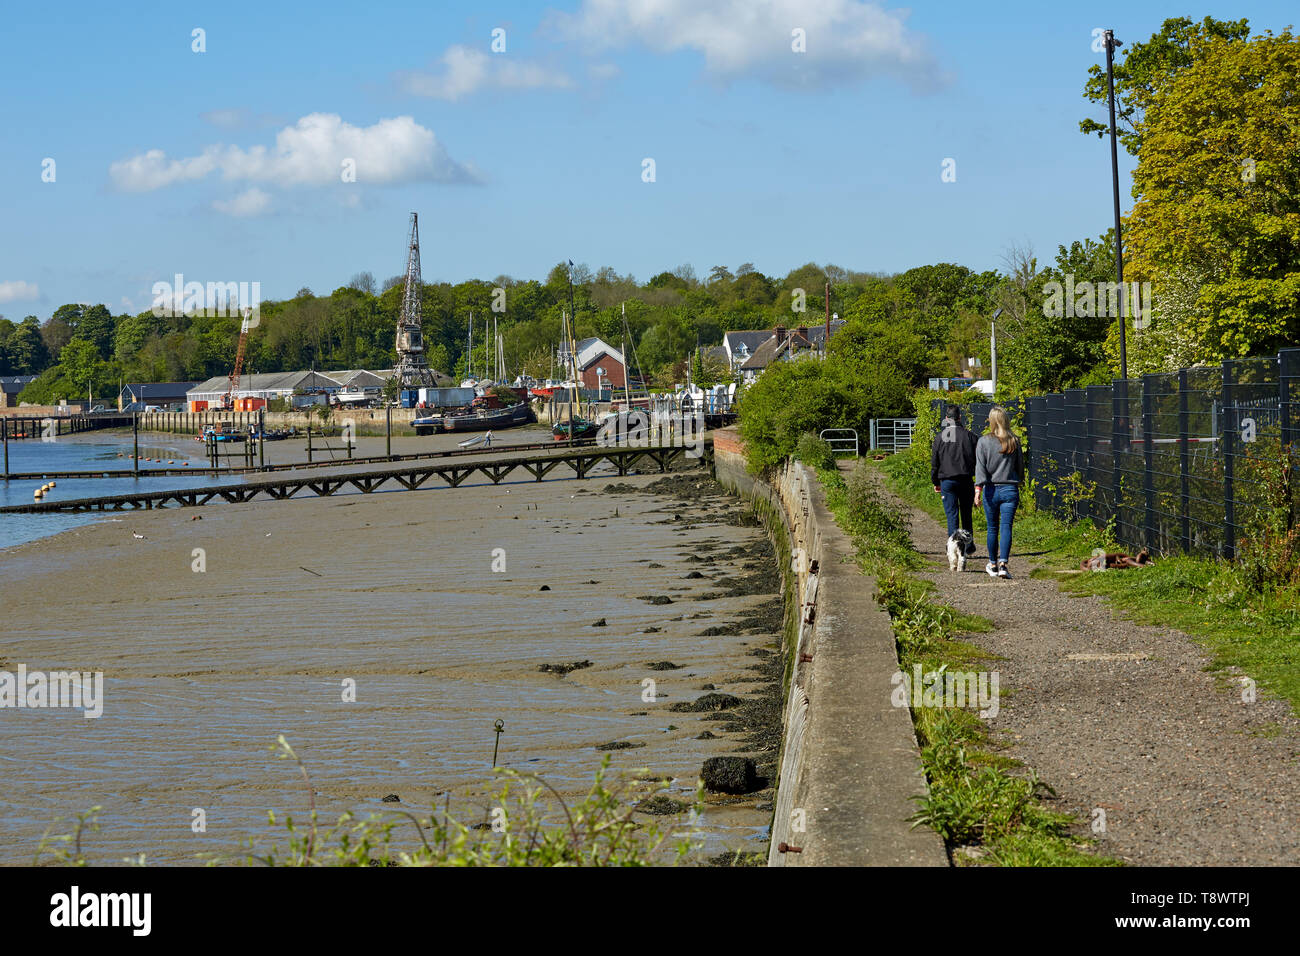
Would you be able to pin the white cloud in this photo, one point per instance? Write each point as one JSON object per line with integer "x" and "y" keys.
{"x": 466, "y": 70}
{"x": 153, "y": 170}
{"x": 251, "y": 202}
{"x": 846, "y": 40}
{"x": 311, "y": 153}
{"x": 17, "y": 291}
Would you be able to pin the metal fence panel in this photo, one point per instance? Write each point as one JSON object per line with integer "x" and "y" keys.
{"x": 1175, "y": 462}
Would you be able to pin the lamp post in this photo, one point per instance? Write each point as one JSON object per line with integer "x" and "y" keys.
{"x": 1111, "y": 45}
{"x": 993, "y": 349}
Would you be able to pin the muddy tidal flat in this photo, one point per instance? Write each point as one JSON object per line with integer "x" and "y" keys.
{"x": 444, "y": 610}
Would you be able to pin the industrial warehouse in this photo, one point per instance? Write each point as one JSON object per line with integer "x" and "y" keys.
{"x": 299, "y": 389}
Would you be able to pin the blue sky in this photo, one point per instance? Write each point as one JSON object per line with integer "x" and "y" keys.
{"x": 227, "y": 164}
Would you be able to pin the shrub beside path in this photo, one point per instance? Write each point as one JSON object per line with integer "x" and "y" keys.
{"x": 1126, "y": 718}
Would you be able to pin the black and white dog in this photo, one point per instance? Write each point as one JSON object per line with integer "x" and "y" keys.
{"x": 961, "y": 544}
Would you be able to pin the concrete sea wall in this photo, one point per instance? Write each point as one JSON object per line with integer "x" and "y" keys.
{"x": 849, "y": 759}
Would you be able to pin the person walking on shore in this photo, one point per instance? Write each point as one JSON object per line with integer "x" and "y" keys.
{"x": 999, "y": 469}
{"x": 952, "y": 472}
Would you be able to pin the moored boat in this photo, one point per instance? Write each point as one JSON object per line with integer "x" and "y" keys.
{"x": 485, "y": 419}
{"x": 218, "y": 432}
{"x": 577, "y": 427}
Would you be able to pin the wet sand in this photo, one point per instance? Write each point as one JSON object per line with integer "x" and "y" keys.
{"x": 204, "y": 670}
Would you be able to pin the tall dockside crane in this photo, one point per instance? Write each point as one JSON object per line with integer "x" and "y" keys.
{"x": 412, "y": 368}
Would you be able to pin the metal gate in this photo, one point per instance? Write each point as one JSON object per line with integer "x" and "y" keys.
{"x": 841, "y": 440}
{"x": 892, "y": 434}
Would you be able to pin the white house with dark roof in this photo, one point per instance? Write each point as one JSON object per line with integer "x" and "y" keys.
{"x": 741, "y": 344}
{"x": 778, "y": 345}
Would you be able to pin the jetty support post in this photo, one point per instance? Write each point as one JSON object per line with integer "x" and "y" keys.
{"x": 309, "y": 440}
{"x": 135, "y": 444}
{"x": 388, "y": 431}
{"x": 261, "y": 439}
{"x": 4, "y": 431}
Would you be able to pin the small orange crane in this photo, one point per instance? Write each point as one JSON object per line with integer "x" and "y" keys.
{"x": 227, "y": 400}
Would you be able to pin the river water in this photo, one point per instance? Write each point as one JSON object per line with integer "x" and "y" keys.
{"x": 87, "y": 452}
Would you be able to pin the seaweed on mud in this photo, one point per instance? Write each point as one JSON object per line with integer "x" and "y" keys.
{"x": 563, "y": 669}
{"x": 662, "y": 804}
{"x": 707, "y": 703}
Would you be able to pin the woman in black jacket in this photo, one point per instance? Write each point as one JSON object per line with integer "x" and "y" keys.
{"x": 952, "y": 471}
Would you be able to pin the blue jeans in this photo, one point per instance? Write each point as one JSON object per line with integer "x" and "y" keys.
{"x": 958, "y": 496}
{"x": 1000, "y": 503}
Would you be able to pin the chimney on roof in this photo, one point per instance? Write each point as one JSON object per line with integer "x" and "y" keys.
{"x": 803, "y": 331}
{"x": 779, "y": 332}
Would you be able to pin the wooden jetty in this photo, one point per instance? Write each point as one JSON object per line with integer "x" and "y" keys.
{"x": 580, "y": 461}
{"x": 19, "y": 427}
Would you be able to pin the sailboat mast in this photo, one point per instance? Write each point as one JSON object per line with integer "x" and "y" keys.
{"x": 622, "y": 346}
{"x": 564, "y": 332}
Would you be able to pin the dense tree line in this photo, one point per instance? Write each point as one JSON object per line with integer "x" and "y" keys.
{"x": 82, "y": 349}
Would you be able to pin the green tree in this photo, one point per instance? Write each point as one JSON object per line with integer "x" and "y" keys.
{"x": 1046, "y": 351}
{"x": 1218, "y": 187}
{"x": 57, "y": 330}
{"x": 81, "y": 365}
{"x": 807, "y": 395}
{"x": 666, "y": 342}
{"x": 95, "y": 325}
{"x": 1144, "y": 68}
{"x": 132, "y": 332}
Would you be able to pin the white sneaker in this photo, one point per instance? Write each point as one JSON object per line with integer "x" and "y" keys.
{"x": 1003, "y": 572}
{"x": 991, "y": 569}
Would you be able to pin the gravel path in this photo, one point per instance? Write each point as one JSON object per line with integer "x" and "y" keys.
{"x": 1125, "y": 718}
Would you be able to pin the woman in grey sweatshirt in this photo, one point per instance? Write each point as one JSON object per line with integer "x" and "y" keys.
{"x": 999, "y": 469}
